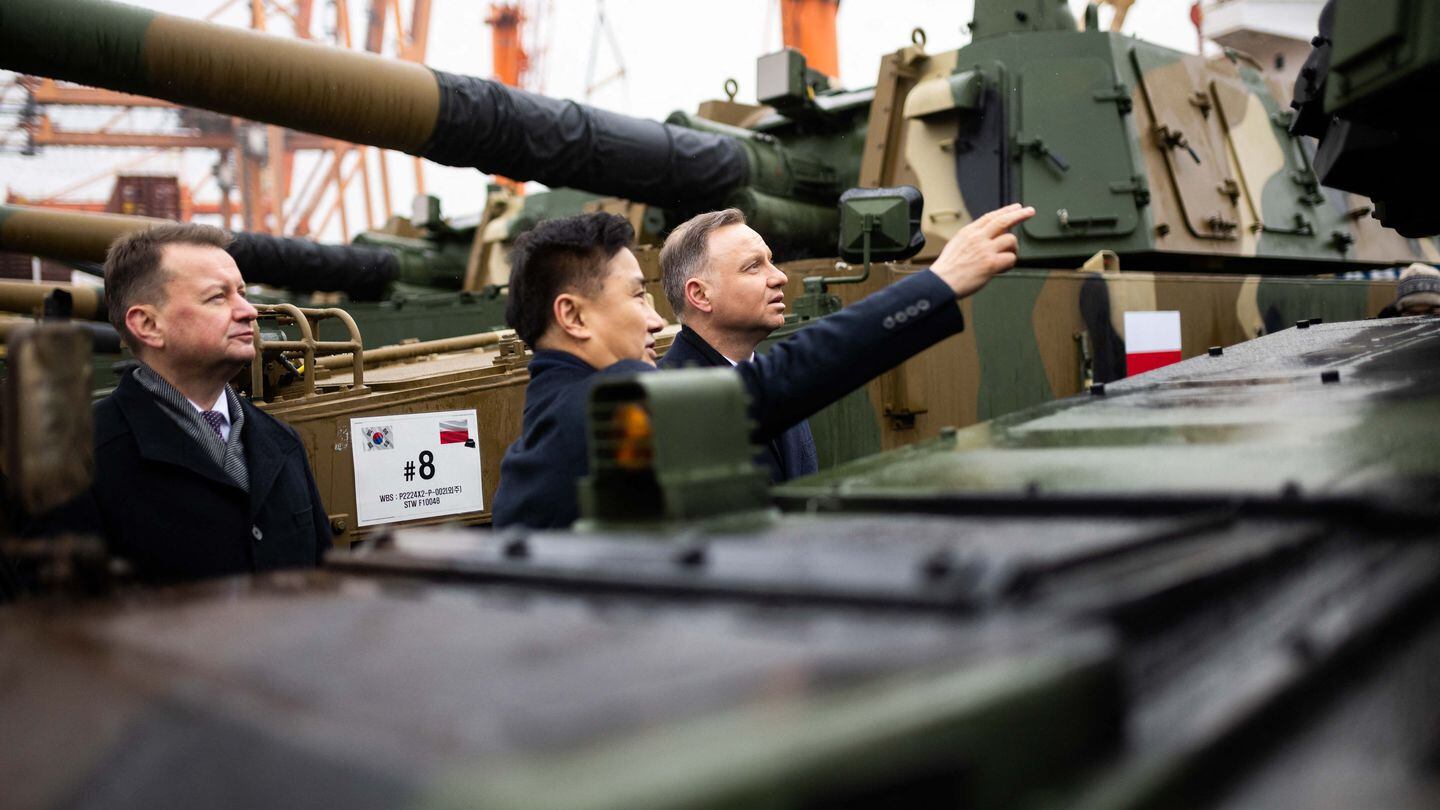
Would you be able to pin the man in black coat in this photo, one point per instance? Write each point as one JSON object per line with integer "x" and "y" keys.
{"x": 191, "y": 480}
{"x": 577, "y": 296}
{"x": 727, "y": 293}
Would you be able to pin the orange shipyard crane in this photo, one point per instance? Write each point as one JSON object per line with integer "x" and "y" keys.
{"x": 808, "y": 26}
{"x": 235, "y": 141}
{"x": 258, "y": 160}
{"x": 330, "y": 178}
{"x": 509, "y": 61}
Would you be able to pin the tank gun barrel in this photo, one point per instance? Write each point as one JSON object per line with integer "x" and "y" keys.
{"x": 88, "y": 303}
{"x": 365, "y": 274}
{"x": 447, "y": 118}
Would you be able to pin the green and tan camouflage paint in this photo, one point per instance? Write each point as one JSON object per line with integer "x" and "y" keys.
{"x": 1033, "y": 335}
{"x": 1230, "y": 205}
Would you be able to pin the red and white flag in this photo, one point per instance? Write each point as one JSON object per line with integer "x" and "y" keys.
{"x": 1152, "y": 340}
{"x": 456, "y": 432}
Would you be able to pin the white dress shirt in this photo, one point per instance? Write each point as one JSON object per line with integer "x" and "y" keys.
{"x": 737, "y": 362}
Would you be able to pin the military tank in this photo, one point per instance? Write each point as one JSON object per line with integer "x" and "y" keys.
{"x": 1139, "y": 158}
{"x": 1211, "y": 585}
{"x": 361, "y": 273}
{"x": 377, "y": 277}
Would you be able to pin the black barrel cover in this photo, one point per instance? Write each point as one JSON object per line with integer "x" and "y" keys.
{"x": 500, "y": 130}
{"x": 363, "y": 273}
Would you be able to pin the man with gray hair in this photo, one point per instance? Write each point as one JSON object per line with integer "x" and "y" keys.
{"x": 722, "y": 283}
{"x": 191, "y": 480}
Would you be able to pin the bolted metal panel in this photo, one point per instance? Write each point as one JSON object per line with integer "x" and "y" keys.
{"x": 1076, "y": 168}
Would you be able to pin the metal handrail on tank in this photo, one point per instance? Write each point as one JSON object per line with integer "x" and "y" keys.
{"x": 407, "y": 351}
{"x": 306, "y": 320}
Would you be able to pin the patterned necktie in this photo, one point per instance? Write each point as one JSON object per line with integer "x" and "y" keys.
{"x": 215, "y": 419}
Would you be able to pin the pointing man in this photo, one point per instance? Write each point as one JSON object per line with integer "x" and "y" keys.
{"x": 724, "y": 287}
{"x": 191, "y": 480}
{"x": 577, "y": 296}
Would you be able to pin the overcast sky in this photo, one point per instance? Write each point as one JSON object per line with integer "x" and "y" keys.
{"x": 675, "y": 53}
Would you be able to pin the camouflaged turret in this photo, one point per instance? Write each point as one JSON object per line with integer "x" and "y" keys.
{"x": 1119, "y": 144}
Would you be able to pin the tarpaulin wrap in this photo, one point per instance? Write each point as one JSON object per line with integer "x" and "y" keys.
{"x": 500, "y": 130}
{"x": 362, "y": 273}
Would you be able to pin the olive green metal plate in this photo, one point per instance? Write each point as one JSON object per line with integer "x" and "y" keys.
{"x": 1259, "y": 420}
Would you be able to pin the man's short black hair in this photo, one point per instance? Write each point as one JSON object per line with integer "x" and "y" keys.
{"x": 559, "y": 256}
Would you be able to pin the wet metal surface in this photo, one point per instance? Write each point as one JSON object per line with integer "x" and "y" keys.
{"x": 1116, "y": 646}
{"x": 381, "y": 689}
{"x": 1256, "y": 421}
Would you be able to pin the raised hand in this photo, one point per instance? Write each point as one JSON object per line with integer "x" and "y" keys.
{"x": 981, "y": 250}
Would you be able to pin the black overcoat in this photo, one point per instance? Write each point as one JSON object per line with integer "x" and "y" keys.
{"x": 162, "y": 503}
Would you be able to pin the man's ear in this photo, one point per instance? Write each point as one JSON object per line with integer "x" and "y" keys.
{"x": 569, "y": 313}
{"x": 697, "y": 295}
{"x": 142, "y": 321}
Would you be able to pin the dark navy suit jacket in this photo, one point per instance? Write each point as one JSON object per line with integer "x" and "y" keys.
{"x": 797, "y": 377}
{"x": 788, "y": 455}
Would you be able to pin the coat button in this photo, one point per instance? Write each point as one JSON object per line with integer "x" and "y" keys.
{"x": 256, "y": 533}
{"x": 888, "y": 323}
{"x": 901, "y": 317}
{"x": 922, "y": 305}
{"x": 912, "y": 310}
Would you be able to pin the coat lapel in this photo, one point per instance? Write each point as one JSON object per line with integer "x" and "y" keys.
{"x": 159, "y": 438}
{"x": 265, "y": 457}
{"x": 701, "y": 347}
{"x": 709, "y": 355}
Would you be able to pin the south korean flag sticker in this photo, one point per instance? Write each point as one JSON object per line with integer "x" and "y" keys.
{"x": 378, "y": 438}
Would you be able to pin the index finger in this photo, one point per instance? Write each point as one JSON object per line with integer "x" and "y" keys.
{"x": 989, "y": 216}
{"x": 1005, "y": 220}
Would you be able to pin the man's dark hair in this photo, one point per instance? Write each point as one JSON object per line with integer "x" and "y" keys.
{"x": 133, "y": 274}
{"x": 559, "y": 256}
{"x": 686, "y": 251}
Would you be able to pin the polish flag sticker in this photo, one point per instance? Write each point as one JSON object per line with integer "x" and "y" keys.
{"x": 1152, "y": 340}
